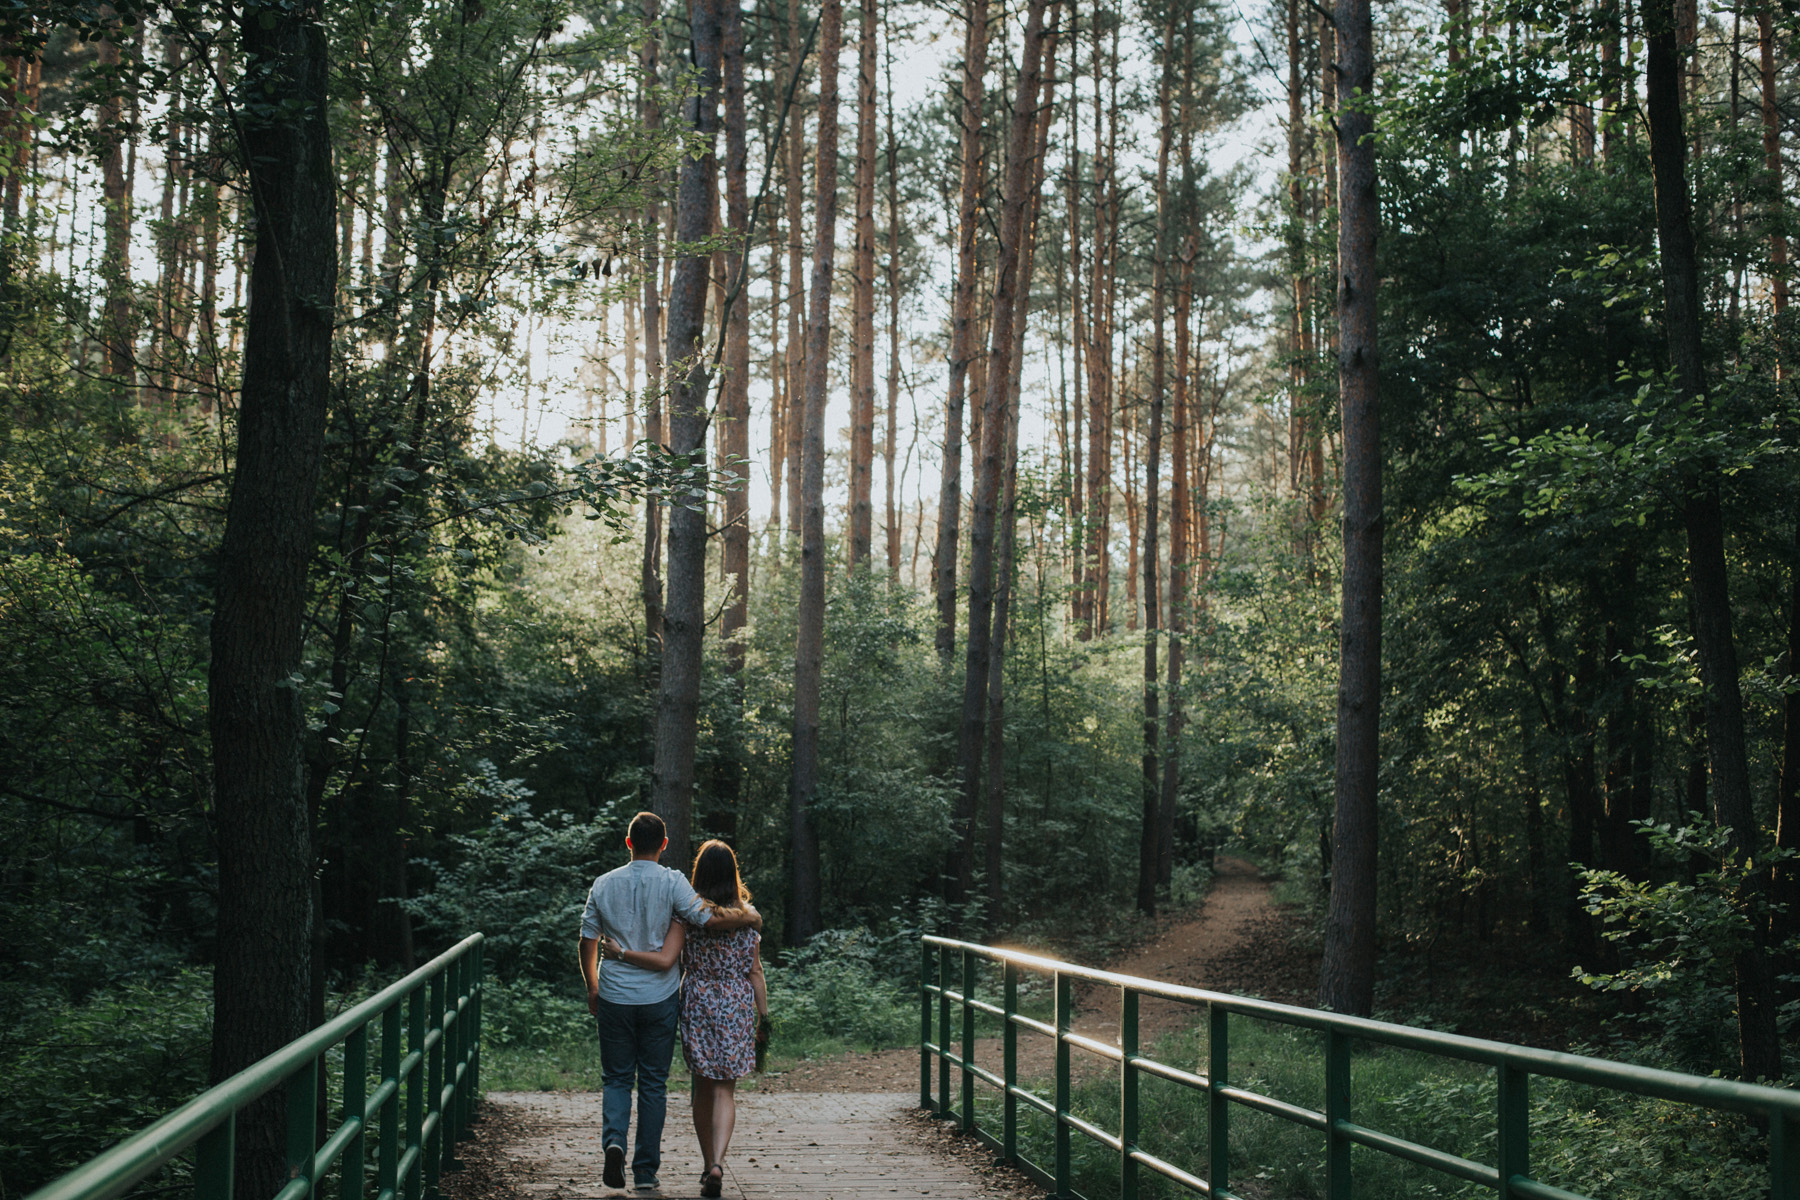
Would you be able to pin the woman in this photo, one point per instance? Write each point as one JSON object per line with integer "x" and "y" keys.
{"x": 724, "y": 1004}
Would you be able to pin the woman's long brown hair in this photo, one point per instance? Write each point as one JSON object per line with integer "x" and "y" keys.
{"x": 715, "y": 875}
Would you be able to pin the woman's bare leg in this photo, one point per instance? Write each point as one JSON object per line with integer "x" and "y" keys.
{"x": 703, "y": 1116}
{"x": 723, "y": 1115}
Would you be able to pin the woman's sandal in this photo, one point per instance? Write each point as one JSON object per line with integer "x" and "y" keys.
{"x": 713, "y": 1182}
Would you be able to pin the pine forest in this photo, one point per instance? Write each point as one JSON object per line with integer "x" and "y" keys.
{"x": 985, "y": 460}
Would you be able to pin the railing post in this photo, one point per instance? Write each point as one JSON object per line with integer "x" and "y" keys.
{"x": 1009, "y": 1053}
{"x": 1337, "y": 1109}
{"x": 415, "y": 1095}
{"x": 433, "y": 1153}
{"x": 943, "y": 1030}
{"x": 1128, "y": 1094}
{"x": 454, "y": 1029}
{"x": 1218, "y": 1108}
{"x": 924, "y": 1024}
{"x": 356, "y": 1102}
{"x": 303, "y": 1121}
{"x": 215, "y": 1161}
{"x": 387, "y": 1149}
{"x": 480, "y": 987}
{"x": 1784, "y": 1157}
{"x": 968, "y": 1040}
{"x": 472, "y": 1014}
{"x": 1514, "y": 1131}
{"x": 1063, "y": 1015}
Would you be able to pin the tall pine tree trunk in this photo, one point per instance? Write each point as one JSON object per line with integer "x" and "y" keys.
{"x": 962, "y": 337}
{"x": 1786, "y": 923}
{"x": 1008, "y": 535}
{"x": 804, "y": 913}
{"x": 734, "y": 433}
{"x": 1149, "y": 847}
{"x": 862, "y": 321}
{"x": 1759, "y": 1050}
{"x": 1179, "y": 507}
{"x": 1015, "y": 205}
{"x": 1347, "y": 975}
{"x": 684, "y": 614}
{"x": 118, "y": 329}
{"x": 262, "y": 976}
{"x": 650, "y": 575}
{"x": 796, "y": 340}
{"x": 893, "y": 298}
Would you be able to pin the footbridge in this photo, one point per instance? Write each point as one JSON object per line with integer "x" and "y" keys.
{"x": 1088, "y": 1115}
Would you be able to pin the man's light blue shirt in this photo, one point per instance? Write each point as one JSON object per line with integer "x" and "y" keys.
{"x": 633, "y": 905}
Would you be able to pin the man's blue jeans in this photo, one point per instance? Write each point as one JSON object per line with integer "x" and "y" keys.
{"x": 637, "y": 1044}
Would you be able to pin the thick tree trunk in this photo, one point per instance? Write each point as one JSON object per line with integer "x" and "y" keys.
{"x": 1021, "y": 174}
{"x": 684, "y": 616}
{"x": 262, "y": 975}
{"x": 962, "y": 332}
{"x": 1758, "y": 1048}
{"x": 804, "y": 913}
{"x": 1347, "y": 975}
{"x": 862, "y": 321}
{"x": 1008, "y": 535}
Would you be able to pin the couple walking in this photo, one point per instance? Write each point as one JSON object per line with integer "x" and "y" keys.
{"x": 656, "y": 947}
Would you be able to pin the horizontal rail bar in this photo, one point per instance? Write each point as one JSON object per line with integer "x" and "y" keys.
{"x": 378, "y": 1097}
{"x": 1169, "y": 1170}
{"x": 1109, "y": 1140}
{"x": 333, "y": 1149}
{"x": 1425, "y": 1156}
{"x": 1043, "y": 1027}
{"x": 1150, "y": 1066}
{"x": 113, "y": 1172}
{"x": 1531, "y": 1188}
{"x": 1093, "y": 1046}
{"x": 987, "y": 1076}
{"x": 1727, "y": 1094}
{"x": 1036, "y": 1101}
{"x": 1276, "y": 1108}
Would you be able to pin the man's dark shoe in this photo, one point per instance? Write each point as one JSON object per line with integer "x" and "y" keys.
{"x": 613, "y": 1173}
{"x": 647, "y": 1183}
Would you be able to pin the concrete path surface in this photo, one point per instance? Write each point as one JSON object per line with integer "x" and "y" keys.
{"x": 795, "y": 1145}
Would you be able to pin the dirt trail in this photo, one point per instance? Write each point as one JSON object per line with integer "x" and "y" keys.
{"x": 1239, "y": 941}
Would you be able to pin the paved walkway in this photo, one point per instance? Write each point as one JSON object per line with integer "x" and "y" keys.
{"x": 796, "y": 1145}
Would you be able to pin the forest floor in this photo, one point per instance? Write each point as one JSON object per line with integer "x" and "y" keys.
{"x": 1238, "y": 939}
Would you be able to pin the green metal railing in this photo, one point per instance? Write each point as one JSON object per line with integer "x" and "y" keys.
{"x": 420, "y": 1106}
{"x": 948, "y": 974}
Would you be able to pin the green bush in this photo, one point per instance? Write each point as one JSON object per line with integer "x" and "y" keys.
{"x": 77, "y": 1078}
{"x": 843, "y": 987}
{"x": 528, "y": 1013}
{"x": 520, "y": 879}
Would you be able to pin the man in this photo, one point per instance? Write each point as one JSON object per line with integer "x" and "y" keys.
{"x": 635, "y": 1007}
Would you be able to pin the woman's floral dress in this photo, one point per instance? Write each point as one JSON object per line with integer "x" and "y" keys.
{"x": 718, "y": 1007}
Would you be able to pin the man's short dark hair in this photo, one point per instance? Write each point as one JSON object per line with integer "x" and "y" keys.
{"x": 647, "y": 833}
